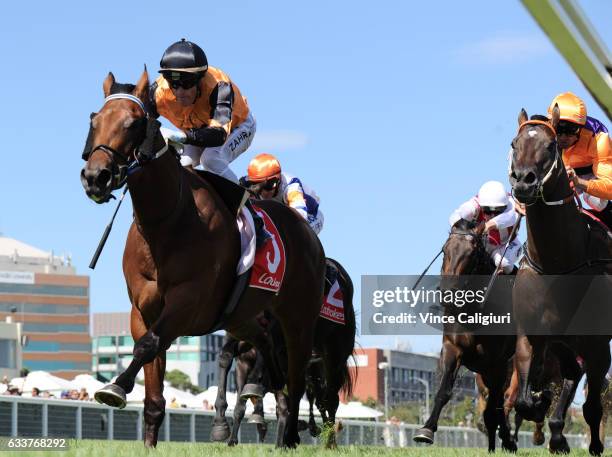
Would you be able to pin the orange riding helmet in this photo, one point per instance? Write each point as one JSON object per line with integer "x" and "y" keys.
{"x": 263, "y": 167}
{"x": 571, "y": 108}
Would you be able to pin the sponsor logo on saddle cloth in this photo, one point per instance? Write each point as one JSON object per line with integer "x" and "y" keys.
{"x": 269, "y": 265}
{"x": 333, "y": 305}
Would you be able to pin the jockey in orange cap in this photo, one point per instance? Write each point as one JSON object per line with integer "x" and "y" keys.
{"x": 266, "y": 179}
{"x": 214, "y": 121}
{"x": 587, "y": 153}
{"x": 496, "y": 211}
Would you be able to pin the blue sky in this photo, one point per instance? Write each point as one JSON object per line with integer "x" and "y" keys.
{"x": 394, "y": 112}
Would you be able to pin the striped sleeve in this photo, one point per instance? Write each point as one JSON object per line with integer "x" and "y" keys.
{"x": 294, "y": 195}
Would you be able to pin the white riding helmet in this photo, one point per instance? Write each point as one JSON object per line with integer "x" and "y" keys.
{"x": 492, "y": 194}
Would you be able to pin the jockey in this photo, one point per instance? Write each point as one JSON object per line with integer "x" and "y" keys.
{"x": 267, "y": 181}
{"x": 213, "y": 118}
{"x": 496, "y": 211}
{"x": 587, "y": 153}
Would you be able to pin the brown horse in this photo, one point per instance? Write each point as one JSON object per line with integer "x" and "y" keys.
{"x": 181, "y": 254}
{"x": 464, "y": 254}
{"x": 559, "y": 241}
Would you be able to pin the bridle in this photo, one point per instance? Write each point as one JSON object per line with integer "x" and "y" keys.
{"x": 131, "y": 162}
{"x": 555, "y": 167}
{"x": 479, "y": 250}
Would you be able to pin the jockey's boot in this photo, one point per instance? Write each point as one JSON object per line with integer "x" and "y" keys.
{"x": 261, "y": 234}
{"x": 331, "y": 275}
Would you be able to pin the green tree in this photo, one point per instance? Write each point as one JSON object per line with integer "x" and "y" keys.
{"x": 180, "y": 380}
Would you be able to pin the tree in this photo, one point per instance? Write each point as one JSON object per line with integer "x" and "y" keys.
{"x": 180, "y": 380}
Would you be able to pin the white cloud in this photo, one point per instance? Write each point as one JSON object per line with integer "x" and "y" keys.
{"x": 279, "y": 140}
{"x": 504, "y": 49}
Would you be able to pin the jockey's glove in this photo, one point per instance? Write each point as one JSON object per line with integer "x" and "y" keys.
{"x": 177, "y": 136}
{"x": 206, "y": 137}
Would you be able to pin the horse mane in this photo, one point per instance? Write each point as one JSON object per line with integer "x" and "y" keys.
{"x": 463, "y": 225}
{"x": 539, "y": 117}
{"x": 119, "y": 88}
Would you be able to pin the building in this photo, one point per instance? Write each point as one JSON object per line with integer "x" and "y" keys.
{"x": 195, "y": 356}
{"x": 10, "y": 349}
{"x": 403, "y": 370}
{"x": 43, "y": 293}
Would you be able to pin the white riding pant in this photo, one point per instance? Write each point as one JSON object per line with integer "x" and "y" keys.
{"x": 512, "y": 254}
{"x": 217, "y": 159}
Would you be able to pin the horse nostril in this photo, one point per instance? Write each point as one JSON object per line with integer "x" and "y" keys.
{"x": 530, "y": 178}
{"x": 103, "y": 179}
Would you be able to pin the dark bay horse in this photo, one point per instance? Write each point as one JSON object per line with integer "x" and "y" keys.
{"x": 559, "y": 242}
{"x": 327, "y": 373}
{"x": 181, "y": 254}
{"x": 464, "y": 254}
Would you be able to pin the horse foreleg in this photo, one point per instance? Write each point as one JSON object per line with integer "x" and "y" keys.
{"x": 282, "y": 416}
{"x": 530, "y": 356}
{"x": 262, "y": 427}
{"x": 154, "y": 402}
{"x": 220, "y": 430}
{"x": 450, "y": 362}
{"x": 240, "y": 407}
{"x": 597, "y": 364}
{"x": 502, "y": 410}
{"x": 313, "y": 428}
{"x": 299, "y": 349}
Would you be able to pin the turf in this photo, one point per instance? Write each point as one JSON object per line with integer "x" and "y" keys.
{"x": 86, "y": 448}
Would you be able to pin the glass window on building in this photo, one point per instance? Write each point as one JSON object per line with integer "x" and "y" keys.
{"x": 126, "y": 341}
{"x": 107, "y": 341}
{"x": 395, "y": 374}
{"x": 405, "y": 375}
{"x": 104, "y": 359}
{"x": 8, "y": 353}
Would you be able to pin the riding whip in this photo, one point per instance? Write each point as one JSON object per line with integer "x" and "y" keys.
{"x": 496, "y": 272}
{"x": 94, "y": 259}
{"x": 426, "y": 270}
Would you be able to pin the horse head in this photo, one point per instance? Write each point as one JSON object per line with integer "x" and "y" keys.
{"x": 536, "y": 160}
{"x": 464, "y": 251}
{"x": 121, "y": 135}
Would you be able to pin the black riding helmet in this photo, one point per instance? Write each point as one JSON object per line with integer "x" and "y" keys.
{"x": 184, "y": 57}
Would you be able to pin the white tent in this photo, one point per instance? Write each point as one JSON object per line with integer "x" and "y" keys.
{"x": 356, "y": 410}
{"x": 87, "y": 381}
{"x": 182, "y": 398}
{"x": 44, "y": 381}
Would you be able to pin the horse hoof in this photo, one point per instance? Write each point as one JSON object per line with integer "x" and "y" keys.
{"x": 256, "y": 419}
{"x": 252, "y": 391}
{"x": 424, "y": 435}
{"x": 558, "y": 445}
{"x": 510, "y": 446}
{"x": 302, "y": 425}
{"x": 220, "y": 432}
{"x": 538, "y": 438}
{"x": 232, "y": 443}
{"x": 111, "y": 395}
{"x": 596, "y": 449}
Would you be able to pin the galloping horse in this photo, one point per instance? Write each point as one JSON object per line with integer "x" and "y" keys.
{"x": 559, "y": 241}
{"x": 181, "y": 254}
{"x": 464, "y": 254}
{"x": 326, "y": 376}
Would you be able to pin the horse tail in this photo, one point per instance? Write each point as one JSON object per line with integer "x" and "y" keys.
{"x": 348, "y": 377}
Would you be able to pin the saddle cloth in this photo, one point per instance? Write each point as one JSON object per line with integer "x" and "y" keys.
{"x": 333, "y": 304}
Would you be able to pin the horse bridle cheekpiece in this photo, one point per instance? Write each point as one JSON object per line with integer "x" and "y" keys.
{"x": 143, "y": 153}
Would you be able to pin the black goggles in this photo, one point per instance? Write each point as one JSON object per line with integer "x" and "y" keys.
{"x": 492, "y": 211}
{"x": 183, "y": 80}
{"x": 568, "y": 129}
{"x": 270, "y": 184}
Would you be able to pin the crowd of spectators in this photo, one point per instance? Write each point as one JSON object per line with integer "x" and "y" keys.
{"x": 6, "y": 388}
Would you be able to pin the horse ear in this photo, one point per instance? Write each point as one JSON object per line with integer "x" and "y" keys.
{"x": 556, "y": 114}
{"x": 522, "y": 117}
{"x": 108, "y": 83}
{"x": 142, "y": 86}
